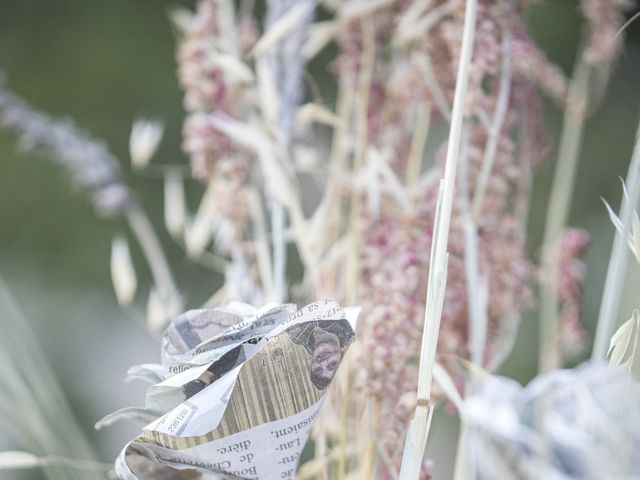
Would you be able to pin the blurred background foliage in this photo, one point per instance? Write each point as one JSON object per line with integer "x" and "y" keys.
{"x": 104, "y": 62}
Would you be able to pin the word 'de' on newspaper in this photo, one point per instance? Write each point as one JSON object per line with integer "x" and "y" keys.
{"x": 237, "y": 392}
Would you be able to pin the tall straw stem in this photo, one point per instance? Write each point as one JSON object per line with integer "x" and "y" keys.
{"x": 278, "y": 223}
{"x": 414, "y": 163}
{"x": 338, "y": 158}
{"x": 618, "y": 261}
{"x": 362, "y": 133}
{"x": 558, "y": 211}
{"x": 419, "y": 428}
{"x": 331, "y": 201}
{"x": 441, "y": 235}
{"x": 355, "y": 241}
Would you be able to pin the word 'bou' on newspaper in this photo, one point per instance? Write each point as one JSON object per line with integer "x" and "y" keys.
{"x": 237, "y": 392}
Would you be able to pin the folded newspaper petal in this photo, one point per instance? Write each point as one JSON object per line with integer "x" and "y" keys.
{"x": 240, "y": 393}
{"x": 574, "y": 424}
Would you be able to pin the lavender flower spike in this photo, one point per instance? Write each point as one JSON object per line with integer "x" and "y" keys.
{"x": 92, "y": 167}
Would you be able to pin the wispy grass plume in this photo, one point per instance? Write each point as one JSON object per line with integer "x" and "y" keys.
{"x": 33, "y": 408}
{"x": 619, "y": 259}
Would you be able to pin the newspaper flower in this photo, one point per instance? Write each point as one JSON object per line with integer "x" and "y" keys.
{"x": 237, "y": 392}
{"x": 568, "y": 424}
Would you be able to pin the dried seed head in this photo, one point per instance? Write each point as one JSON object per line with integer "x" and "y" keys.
{"x": 162, "y": 308}
{"x": 123, "y": 274}
{"x": 144, "y": 140}
{"x": 174, "y": 203}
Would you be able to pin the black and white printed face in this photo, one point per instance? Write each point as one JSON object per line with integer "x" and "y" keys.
{"x": 325, "y": 357}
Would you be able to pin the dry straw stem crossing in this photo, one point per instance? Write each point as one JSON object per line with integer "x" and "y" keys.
{"x": 504, "y": 92}
{"x": 419, "y": 427}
